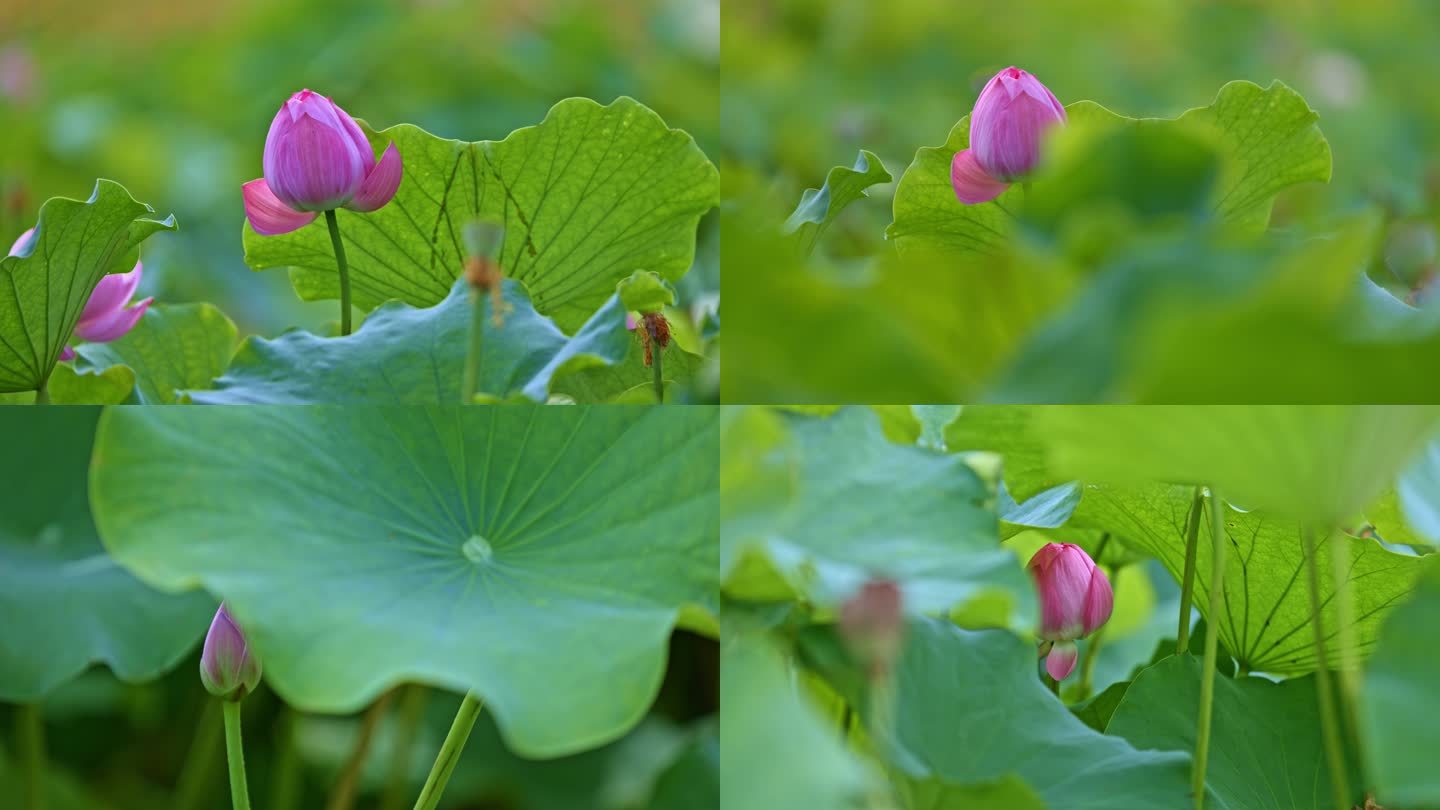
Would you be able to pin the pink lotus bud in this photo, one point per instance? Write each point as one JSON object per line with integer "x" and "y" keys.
{"x": 1006, "y": 126}
{"x": 1075, "y": 600}
{"x": 227, "y": 666}
{"x": 873, "y": 624}
{"x": 317, "y": 159}
{"x": 107, "y": 315}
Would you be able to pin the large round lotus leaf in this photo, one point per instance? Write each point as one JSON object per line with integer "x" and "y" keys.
{"x": 1400, "y": 700}
{"x": 66, "y": 604}
{"x": 969, "y": 710}
{"x": 537, "y": 556}
{"x": 1265, "y": 746}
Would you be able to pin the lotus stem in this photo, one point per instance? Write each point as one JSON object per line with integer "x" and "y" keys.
{"x": 449, "y": 755}
{"x": 1212, "y": 647}
{"x": 344, "y": 267}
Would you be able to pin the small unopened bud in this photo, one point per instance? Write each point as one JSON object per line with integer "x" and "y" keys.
{"x": 872, "y": 623}
{"x": 228, "y": 667}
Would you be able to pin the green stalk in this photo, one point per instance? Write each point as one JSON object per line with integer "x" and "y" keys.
{"x": 235, "y": 754}
{"x": 1087, "y": 668}
{"x": 1348, "y": 667}
{"x": 344, "y": 796}
{"x": 1187, "y": 581}
{"x": 31, "y": 730}
{"x": 199, "y": 765}
{"x": 656, "y": 357}
{"x": 1212, "y": 647}
{"x": 285, "y": 784}
{"x": 412, "y": 710}
{"x": 1329, "y": 728}
{"x": 344, "y": 271}
{"x": 449, "y": 755}
{"x": 471, "y": 382}
{"x": 42, "y": 394}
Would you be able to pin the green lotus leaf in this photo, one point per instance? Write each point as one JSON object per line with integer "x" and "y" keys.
{"x": 1010, "y": 793}
{"x": 70, "y": 387}
{"x": 587, "y": 197}
{"x": 820, "y": 207}
{"x": 644, "y": 291}
{"x": 629, "y": 380}
{"x": 1316, "y": 463}
{"x": 401, "y": 354}
{"x": 953, "y": 688}
{"x": 1266, "y": 621}
{"x": 1398, "y": 702}
{"x": 538, "y": 556}
{"x": 864, "y": 507}
{"x": 75, "y": 245}
{"x": 1266, "y": 749}
{"x": 776, "y": 751}
{"x": 72, "y": 605}
{"x": 174, "y": 349}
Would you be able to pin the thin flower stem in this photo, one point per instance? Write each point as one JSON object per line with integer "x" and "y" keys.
{"x": 235, "y": 754}
{"x": 1187, "y": 580}
{"x": 1329, "y": 727}
{"x": 1348, "y": 665}
{"x": 659, "y": 353}
{"x": 471, "y": 382}
{"x": 412, "y": 710}
{"x": 343, "y": 798}
{"x": 285, "y": 784}
{"x": 1212, "y": 647}
{"x": 31, "y": 730}
{"x": 449, "y": 755}
{"x": 199, "y": 765}
{"x": 1087, "y": 669}
{"x": 344, "y": 271}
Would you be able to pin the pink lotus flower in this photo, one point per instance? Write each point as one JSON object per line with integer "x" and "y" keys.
{"x": 317, "y": 159}
{"x": 1010, "y": 118}
{"x": 872, "y": 623}
{"x": 1075, "y": 600}
{"x": 228, "y": 668}
{"x": 107, "y": 315}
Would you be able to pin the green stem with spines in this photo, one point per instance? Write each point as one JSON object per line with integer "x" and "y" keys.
{"x": 659, "y": 376}
{"x": 1187, "y": 579}
{"x": 1348, "y": 667}
{"x": 31, "y": 731}
{"x": 344, "y": 267}
{"x": 235, "y": 755}
{"x": 1329, "y": 725}
{"x": 470, "y": 384}
{"x": 1212, "y": 648}
{"x": 449, "y": 755}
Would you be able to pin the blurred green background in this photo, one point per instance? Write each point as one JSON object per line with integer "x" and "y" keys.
{"x": 173, "y": 99}
{"x": 808, "y": 83}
